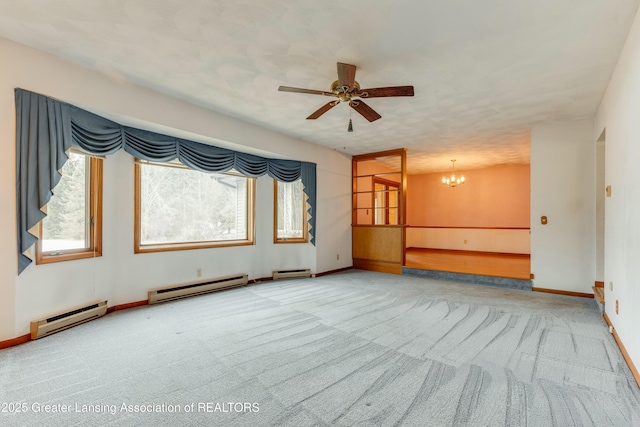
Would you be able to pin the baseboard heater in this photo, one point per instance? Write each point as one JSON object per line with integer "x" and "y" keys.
{"x": 286, "y": 274}
{"x": 171, "y": 293}
{"x": 59, "y": 322}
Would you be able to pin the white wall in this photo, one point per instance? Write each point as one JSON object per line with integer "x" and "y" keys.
{"x": 619, "y": 115}
{"x": 508, "y": 241}
{"x": 120, "y": 276}
{"x": 599, "y": 194}
{"x": 563, "y": 174}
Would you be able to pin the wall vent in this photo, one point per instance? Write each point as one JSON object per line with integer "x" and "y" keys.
{"x": 61, "y": 321}
{"x": 171, "y": 293}
{"x": 285, "y": 274}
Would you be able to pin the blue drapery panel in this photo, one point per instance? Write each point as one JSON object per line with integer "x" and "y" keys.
{"x": 43, "y": 133}
{"x": 47, "y": 128}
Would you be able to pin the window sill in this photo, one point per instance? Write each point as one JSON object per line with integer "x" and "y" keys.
{"x": 292, "y": 240}
{"x": 66, "y": 256}
{"x": 169, "y": 247}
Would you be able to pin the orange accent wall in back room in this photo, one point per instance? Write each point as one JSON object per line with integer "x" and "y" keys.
{"x": 497, "y": 196}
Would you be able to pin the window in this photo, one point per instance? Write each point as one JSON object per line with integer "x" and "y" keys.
{"x": 179, "y": 208}
{"x": 72, "y": 228}
{"x": 290, "y": 218}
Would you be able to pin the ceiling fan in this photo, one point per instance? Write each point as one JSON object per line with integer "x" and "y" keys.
{"x": 347, "y": 89}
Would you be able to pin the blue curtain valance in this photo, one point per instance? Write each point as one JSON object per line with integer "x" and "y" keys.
{"x": 47, "y": 128}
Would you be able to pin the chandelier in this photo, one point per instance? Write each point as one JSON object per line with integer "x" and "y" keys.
{"x": 453, "y": 181}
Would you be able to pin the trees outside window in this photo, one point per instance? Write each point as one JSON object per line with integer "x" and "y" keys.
{"x": 72, "y": 228}
{"x": 290, "y": 213}
{"x": 179, "y": 208}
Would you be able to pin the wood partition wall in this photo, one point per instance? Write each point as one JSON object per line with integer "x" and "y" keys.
{"x": 379, "y": 211}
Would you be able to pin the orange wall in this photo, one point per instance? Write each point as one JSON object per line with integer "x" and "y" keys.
{"x": 365, "y": 200}
{"x": 493, "y": 197}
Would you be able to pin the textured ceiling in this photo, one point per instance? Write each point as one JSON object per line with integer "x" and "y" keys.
{"x": 484, "y": 71}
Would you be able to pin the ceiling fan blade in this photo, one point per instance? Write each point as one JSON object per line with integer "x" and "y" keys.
{"x": 366, "y": 111}
{"x": 346, "y": 75}
{"x": 300, "y": 90}
{"x": 381, "y": 92}
{"x": 320, "y": 111}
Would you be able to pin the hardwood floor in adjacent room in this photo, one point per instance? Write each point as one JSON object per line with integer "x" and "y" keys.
{"x": 513, "y": 266}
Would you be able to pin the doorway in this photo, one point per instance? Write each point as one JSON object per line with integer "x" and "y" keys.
{"x": 385, "y": 201}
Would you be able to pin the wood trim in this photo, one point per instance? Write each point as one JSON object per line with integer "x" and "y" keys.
{"x": 375, "y": 192}
{"x": 251, "y": 210}
{"x": 354, "y": 191}
{"x": 15, "y": 341}
{"x": 377, "y": 175}
{"x": 403, "y": 188}
{"x": 599, "y": 284}
{"x": 96, "y": 211}
{"x": 385, "y": 208}
{"x": 373, "y": 209}
{"x": 127, "y": 306}
{"x": 469, "y": 228}
{"x": 137, "y": 209}
{"x": 404, "y": 245}
{"x": 387, "y": 153}
{"x": 379, "y": 266}
{"x": 599, "y": 294}
{"x": 191, "y": 246}
{"x": 561, "y": 292}
{"x": 339, "y": 270}
{"x": 403, "y": 205}
{"x": 261, "y": 279}
{"x": 138, "y": 248}
{"x": 324, "y": 273}
{"x": 377, "y": 180}
{"x": 463, "y": 252}
{"x": 378, "y": 225}
{"x": 623, "y": 350}
{"x": 66, "y": 256}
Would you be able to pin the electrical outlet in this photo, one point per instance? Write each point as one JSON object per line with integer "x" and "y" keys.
{"x": 198, "y": 272}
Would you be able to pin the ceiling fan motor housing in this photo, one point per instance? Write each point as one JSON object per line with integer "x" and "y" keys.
{"x": 346, "y": 89}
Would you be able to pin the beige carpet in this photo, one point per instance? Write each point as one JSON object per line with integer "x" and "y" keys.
{"x": 356, "y": 348}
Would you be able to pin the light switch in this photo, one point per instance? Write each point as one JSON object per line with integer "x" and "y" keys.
{"x": 543, "y": 220}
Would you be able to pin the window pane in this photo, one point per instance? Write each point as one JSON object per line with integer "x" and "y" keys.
{"x": 183, "y": 205}
{"x": 290, "y": 210}
{"x": 67, "y": 222}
